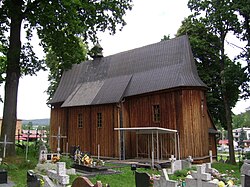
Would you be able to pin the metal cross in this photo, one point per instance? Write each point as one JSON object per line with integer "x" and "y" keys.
{"x": 4, "y": 144}
{"x": 58, "y": 137}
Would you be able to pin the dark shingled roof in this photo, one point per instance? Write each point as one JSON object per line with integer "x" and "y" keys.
{"x": 164, "y": 65}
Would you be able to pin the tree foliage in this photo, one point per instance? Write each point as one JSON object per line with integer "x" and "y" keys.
{"x": 56, "y": 68}
{"x": 242, "y": 8}
{"x": 241, "y": 120}
{"x": 59, "y": 25}
{"x": 208, "y": 27}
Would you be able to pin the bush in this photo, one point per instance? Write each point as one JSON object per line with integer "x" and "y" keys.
{"x": 27, "y": 164}
{"x": 181, "y": 174}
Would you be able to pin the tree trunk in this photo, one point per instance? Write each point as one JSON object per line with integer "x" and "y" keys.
{"x": 229, "y": 131}
{"x": 12, "y": 76}
{"x": 226, "y": 99}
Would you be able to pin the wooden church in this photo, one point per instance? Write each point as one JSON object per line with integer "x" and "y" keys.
{"x": 146, "y": 102}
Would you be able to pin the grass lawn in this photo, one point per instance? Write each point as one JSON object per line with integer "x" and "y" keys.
{"x": 125, "y": 179}
{"x": 233, "y": 171}
{"x": 17, "y": 168}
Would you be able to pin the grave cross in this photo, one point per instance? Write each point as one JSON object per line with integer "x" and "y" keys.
{"x": 58, "y": 137}
{"x": 201, "y": 175}
{"x": 27, "y": 145}
{"x": 5, "y": 144}
{"x": 172, "y": 160}
{"x": 190, "y": 160}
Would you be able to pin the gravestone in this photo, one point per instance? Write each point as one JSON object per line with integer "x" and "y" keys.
{"x": 5, "y": 143}
{"x": 180, "y": 164}
{"x": 173, "y": 165}
{"x": 189, "y": 160}
{"x": 3, "y": 176}
{"x": 245, "y": 172}
{"x": 43, "y": 153}
{"x": 164, "y": 180}
{"x": 59, "y": 175}
{"x": 85, "y": 182}
{"x": 200, "y": 178}
{"x": 142, "y": 179}
{"x": 32, "y": 179}
{"x": 58, "y": 137}
{"x": 44, "y": 156}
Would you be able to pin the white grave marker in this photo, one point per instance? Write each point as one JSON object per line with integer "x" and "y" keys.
{"x": 5, "y": 142}
{"x": 58, "y": 137}
{"x": 27, "y": 146}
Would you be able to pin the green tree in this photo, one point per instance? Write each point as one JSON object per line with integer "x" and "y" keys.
{"x": 242, "y": 137}
{"x": 238, "y": 121}
{"x": 242, "y": 7}
{"x": 56, "y": 68}
{"x": 28, "y": 126}
{"x": 241, "y": 120}
{"x": 3, "y": 62}
{"x": 59, "y": 24}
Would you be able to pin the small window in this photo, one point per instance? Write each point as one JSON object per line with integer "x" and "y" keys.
{"x": 80, "y": 120}
{"x": 99, "y": 120}
{"x": 156, "y": 113}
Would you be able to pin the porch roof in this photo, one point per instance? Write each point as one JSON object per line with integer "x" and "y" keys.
{"x": 147, "y": 130}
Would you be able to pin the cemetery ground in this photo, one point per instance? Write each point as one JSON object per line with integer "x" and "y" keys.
{"x": 17, "y": 168}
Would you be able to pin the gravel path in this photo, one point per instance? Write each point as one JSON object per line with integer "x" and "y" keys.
{"x": 9, "y": 184}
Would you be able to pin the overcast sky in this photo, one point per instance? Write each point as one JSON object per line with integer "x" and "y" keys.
{"x": 147, "y": 23}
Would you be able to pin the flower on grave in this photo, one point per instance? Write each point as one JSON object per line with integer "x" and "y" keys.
{"x": 41, "y": 182}
{"x": 151, "y": 182}
{"x": 87, "y": 160}
{"x": 55, "y": 159}
{"x": 99, "y": 162}
{"x": 230, "y": 183}
{"x": 221, "y": 184}
{"x": 155, "y": 177}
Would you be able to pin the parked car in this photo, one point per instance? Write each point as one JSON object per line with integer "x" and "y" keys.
{"x": 247, "y": 149}
{"x": 219, "y": 148}
{"x": 237, "y": 149}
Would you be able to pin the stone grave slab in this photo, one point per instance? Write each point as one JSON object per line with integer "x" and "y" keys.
{"x": 85, "y": 182}
{"x": 3, "y": 176}
{"x": 142, "y": 179}
{"x": 32, "y": 179}
{"x": 59, "y": 176}
{"x": 90, "y": 168}
{"x": 245, "y": 172}
{"x": 82, "y": 181}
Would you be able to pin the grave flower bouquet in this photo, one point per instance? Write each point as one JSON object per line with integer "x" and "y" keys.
{"x": 152, "y": 178}
{"x": 55, "y": 159}
{"x": 226, "y": 179}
